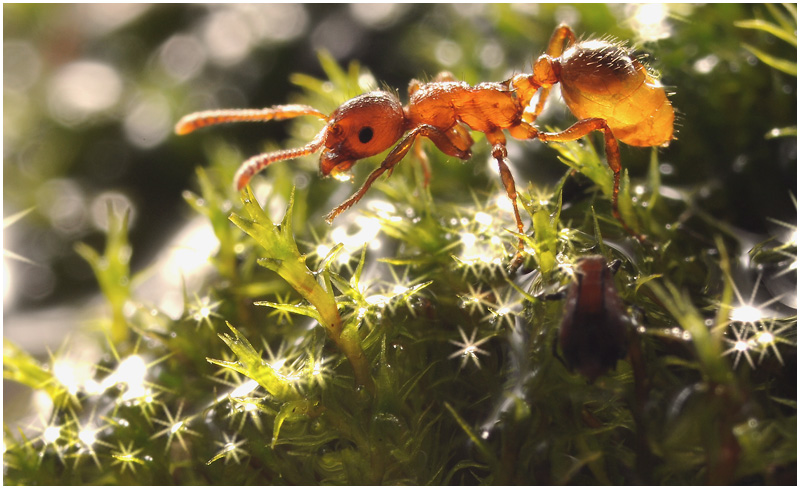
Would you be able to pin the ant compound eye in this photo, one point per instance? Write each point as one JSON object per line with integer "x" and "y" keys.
{"x": 365, "y": 134}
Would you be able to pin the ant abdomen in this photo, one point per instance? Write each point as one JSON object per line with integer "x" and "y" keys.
{"x": 600, "y": 79}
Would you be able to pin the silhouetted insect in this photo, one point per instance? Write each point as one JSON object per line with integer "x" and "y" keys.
{"x": 593, "y": 332}
{"x": 601, "y": 84}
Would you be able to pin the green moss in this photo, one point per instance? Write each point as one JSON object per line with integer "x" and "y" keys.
{"x": 395, "y": 348}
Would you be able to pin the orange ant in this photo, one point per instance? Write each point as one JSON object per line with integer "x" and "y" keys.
{"x": 601, "y": 84}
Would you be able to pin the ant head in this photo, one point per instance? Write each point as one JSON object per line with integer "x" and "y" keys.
{"x": 361, "y": 127}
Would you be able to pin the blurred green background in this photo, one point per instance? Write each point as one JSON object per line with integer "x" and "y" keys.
{"x": 91, "y": 93}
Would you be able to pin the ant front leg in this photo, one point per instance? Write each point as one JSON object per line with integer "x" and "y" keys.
{"x": 581, "y": 129}
{"x": 439, "y": 138}
{"x": 455, "y": 142}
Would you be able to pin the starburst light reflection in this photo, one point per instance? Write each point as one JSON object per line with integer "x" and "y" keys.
{"x": 126, "y": 456}
{"x": 230, "y": 450}
{"x": 768, "y": 338}
{"x": 747, "y": 311}
{"x": 131, "y": 373}
{"x": 504, "y": 310}
{"x": 245, "y": 407}
{"x": 87, "y": 438}
{"x": 473, "y": 299}
{"x": 378, "y": 300}
{"x": 51, "y": 434}
{"x": 64, "y": 372}
{"x": 745, "y": 314}
{"x": 484, "y": 219}
{"x": 202, "y": 310}
{"x": 175, "y": 427}
{"x": 469, "y": 348}
{"x": 366, "y": 232}
{"x": 741, "y": 345}
{"x": 317, "y": 369}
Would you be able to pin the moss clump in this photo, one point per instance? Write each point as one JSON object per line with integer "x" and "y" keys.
{"x": 395, "y": 348}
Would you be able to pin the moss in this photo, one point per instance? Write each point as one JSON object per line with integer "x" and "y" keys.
{"x": 396, "y": 348}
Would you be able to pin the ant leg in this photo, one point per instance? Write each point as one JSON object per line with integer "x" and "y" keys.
{"x": 581, "y": 129}
{"x": 197, "y": 120}
{"x": 545, "y": 73}
{"x": 460, "y": 137}
{"x": 398, "y": 153}
{"x": 500, "y": 153}
{"x": 556, "y": 45}
{"x": 456, "y": 141}
{"x": 424, "y": 162}
{"x": 544, "y": 92}
{"x": 457, "y": 137}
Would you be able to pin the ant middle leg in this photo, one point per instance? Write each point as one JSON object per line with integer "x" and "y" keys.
{"x": 500, "y": 153}
{"x": 454, "y": 142}
{"x": 425, "y": 163}
{"x": 583, "y": 128}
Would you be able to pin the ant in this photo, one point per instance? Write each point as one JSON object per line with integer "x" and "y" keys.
{"x": 593, "y": 332}
{"x": 602, "y": 85}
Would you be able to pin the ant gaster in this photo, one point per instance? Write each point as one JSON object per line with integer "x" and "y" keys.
{"x": 602, "y": 85}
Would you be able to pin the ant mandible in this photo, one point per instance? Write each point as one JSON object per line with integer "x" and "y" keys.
{"x": 602, "y": 85}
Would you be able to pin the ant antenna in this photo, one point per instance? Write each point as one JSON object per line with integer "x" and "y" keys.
{"x": 197, "y": 120}
{"x": 257, "y": 163}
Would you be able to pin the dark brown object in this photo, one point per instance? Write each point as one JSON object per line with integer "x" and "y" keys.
{"x": 593, "y": 335}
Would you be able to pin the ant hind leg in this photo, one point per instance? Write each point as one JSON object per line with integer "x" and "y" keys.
{"x": 556, "y": 45}
{"x": 581, "y": 129}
